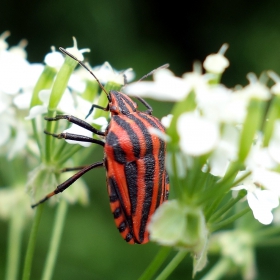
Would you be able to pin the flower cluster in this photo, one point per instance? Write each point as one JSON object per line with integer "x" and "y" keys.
{"x": 220, "y": 140}
{"x": 28, "y": 93}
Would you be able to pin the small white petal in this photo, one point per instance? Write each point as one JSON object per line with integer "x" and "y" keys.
{"x": 54, "y": 59}
{"x": 76, "y": 83}
{"x": 76, "y": 52}
{"x": 198, "y": 135}
{"x": 100, "y": 121}
{"x": 75, "y": 129}
{"x": 256, "y": 89}
{"x": 44, "y": 96}
{"x": 166, "y": 121}
{"x": 36, "y": 111}
{"x": 22, "y": 101}
{"x": 262, "y": 202}
{"x": 269, "y": 179}
{"x": 216, "y": 63}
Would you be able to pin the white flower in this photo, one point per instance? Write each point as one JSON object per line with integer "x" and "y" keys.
{"x": 3, "y": 44}
{"x": 102, "y": 121}
{"x": 255, "y": 89}
{"x": 198, "y": 135}
{"x": 76, "y": 52}
{"x": 44, "y": 96}
{"x": 75, "y": 129}
{"x": 260, "y": 201}
{"x": 165, "y": 87}
{"x": 275, "y": 89}
{"x": 106, "y": 73}
{"x": 216, "y": 63}
{"x": 54, "y": 59}
{"x": 166, "y": 121}
{"x": 225, "y": 152}
{"x": 221, "y": 104}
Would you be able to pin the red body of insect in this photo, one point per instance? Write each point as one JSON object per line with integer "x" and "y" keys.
{"x": 134, "y": 159}
{"x": 135, "y": 162}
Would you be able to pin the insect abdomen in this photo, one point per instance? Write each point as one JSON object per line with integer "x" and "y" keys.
{"x": 135, "y": 170}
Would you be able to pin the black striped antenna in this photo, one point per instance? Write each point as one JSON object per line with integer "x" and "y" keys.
{"x": 83, "y": 65}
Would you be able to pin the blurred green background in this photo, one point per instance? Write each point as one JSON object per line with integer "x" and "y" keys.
{"x": 142, "y": 35}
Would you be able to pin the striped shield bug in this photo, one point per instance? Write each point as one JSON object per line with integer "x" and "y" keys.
{"x": 134, "y": 159}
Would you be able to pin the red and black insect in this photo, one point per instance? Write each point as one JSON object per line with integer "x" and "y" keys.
{"x": 134, "y": 159}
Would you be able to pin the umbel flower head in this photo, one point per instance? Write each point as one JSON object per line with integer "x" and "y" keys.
{"x": 219, "y": 140}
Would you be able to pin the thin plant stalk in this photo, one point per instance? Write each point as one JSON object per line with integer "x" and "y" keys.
{"x": 172, "y": 265}
{"x": 55, "y": 240}
{"x": 219, "y": 270}
{"x": 155, "y": 264}
{"x": 31, "y": 243}
{"x": 14, "y": 245}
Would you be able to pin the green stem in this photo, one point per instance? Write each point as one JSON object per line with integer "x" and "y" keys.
{"x": 219, "y": 213}
{"x": 267, "y": 232}
{"x": 155, "y": 264}
{"x": 49, "y": 138}
{"x": 172, "y": 265}
{"x": 55, "y": 240}
{"x": 73, "y": 150}
{"x": 219, "y": 270}
{"x": 36, "y": 135}
{"x": 31, "y": 243}
{"x": 14, "y": 245}
{"x": 217, "y": 226}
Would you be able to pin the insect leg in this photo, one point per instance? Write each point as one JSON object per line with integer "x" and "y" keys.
{"x": 76, "y": 121}
{"x": 60, "y": 188}
{"x": 75, "y": 137}
{"x": 96, "y": 106}
{"x": 145, "y": 103}
{"x": 72, "y": 168}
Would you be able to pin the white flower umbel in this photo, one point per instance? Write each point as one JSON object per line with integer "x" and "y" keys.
{"x": 198, "y": 135}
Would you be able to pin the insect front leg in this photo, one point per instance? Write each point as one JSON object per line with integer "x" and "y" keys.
{"x": 98, "y": 107}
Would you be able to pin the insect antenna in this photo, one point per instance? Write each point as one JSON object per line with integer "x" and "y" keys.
{"x": 147, "y": 75}
{"x": 83, "y": 65}
{"x": 153, "y": 71}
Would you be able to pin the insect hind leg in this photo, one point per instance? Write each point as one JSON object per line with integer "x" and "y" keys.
{"x": 60, "y": 188}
